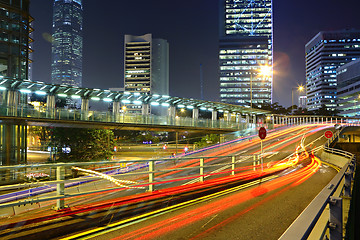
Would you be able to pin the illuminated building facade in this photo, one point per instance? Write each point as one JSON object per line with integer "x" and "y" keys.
{"x": 67, "y": 43}
{"x": 246, "y": 44}
{"x": 324, "y": 53}
{"x": 146, "y": 65}
{"x": 15, "y": 42}
{"x": 348, "y": 85}
{"x": 302, "y": 101}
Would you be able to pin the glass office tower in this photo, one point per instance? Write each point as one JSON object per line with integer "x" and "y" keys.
{"x": 67, "y": 43}
{"x": 324, "y": 53}
{"x": 245, "y": 47}
{"x": 15, "y": 38}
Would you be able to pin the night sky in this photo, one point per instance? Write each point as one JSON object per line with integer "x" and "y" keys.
{"x": 191, "y": 28}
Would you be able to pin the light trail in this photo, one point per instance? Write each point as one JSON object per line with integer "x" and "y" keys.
{"x": 163, "y": 227}
{"x": 117, "y": 182}
{"x": 244, "y": 197}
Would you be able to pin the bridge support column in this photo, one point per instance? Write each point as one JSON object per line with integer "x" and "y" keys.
{"x": 116, "y": 111}
{"x": 214, "y": 115}
{"x": 13, "y": 139}
{"x": 239, "y": 121}
{"x": 145, "y": 109}
{"x": 12, "y": 100}
{"x": 50, "y": 106}
{"x": 85, "y": 108}
{"x": 214, "y": 118}
{"x": 195, "y": 113}
{"x": 228, "y": 116}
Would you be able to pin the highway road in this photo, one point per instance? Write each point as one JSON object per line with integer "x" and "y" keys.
{"x": 240, "y": 208}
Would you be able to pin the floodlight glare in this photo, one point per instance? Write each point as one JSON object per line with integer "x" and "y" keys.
{"x": 25, "y": 91}
{"x": 42, "y": 93}
{"x": 125, "y": 101}
{"x": 137, "y": 102}
{"x": 155, "y": 103}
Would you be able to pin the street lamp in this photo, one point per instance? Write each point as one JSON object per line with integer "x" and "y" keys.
{"x": 265, "y": 71}
{"x": 300, "y": 89}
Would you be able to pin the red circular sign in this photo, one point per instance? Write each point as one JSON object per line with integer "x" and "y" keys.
{"x": 262, "y": 133}
{"x": 328, "y": 134}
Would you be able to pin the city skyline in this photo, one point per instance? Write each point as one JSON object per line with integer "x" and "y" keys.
{"x": 195, "y": 36}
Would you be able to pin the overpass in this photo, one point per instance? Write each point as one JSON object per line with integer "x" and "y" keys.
{"x": 16, "y": 114}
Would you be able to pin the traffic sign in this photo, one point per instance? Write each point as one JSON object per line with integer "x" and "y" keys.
{"x": 328, "y": 134}
{"x": 262, "y": 133}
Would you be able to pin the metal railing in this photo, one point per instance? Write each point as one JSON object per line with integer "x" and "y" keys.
{"x": 109, "y": 117}
{"x": 308, "y": 225}
{"x": 148, "y": 173}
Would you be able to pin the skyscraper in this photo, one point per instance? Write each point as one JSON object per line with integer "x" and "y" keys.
{"x": 146, "y": 65}
{"x": 348, "y": 85}
{"x": 67, "y": 43}
{"x": 245, "y": 46}
{"x": 15, "y": 38}
{"x": 324, "y": 53}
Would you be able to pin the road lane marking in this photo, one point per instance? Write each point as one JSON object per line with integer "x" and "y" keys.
{"x": 127, "y": 222}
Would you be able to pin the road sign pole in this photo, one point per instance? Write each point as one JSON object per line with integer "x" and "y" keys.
{"x": 262, "y": 161}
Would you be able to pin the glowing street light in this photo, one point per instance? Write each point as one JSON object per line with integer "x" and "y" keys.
{"x": 300, "y": 89}
{"x": 264, "y": 71}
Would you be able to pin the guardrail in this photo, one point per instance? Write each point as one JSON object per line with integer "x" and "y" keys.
{"x": 116, "y": 168}
{"x": 147, "y": 178}
{"x": 312, "y": 223}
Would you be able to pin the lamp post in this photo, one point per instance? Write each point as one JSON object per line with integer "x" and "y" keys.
{"x": 300, "y": 89}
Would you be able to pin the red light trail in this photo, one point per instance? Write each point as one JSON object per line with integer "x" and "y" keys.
{"x": 168, "y": 225}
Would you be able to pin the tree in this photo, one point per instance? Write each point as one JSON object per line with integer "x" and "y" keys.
{"x": 42, "y": 132}
{"x": 84, "y": 144}
{"x": 208, "y": 140}
{"x": 324, "y": 111}
{"x": 274, "y": 108}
